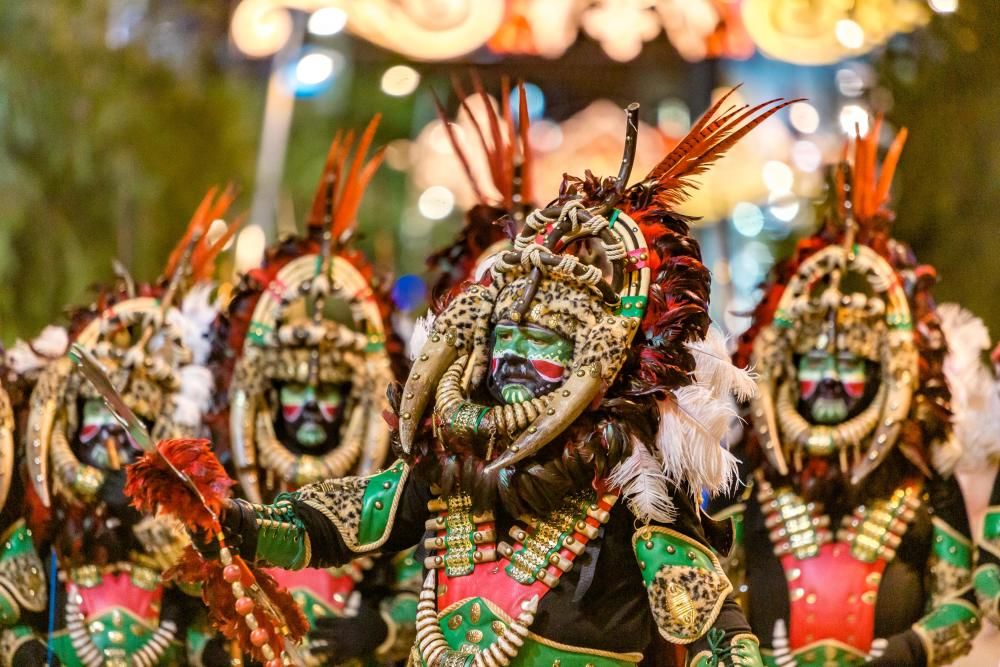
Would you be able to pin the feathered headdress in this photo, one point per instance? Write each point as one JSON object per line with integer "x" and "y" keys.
{"x": 639, "y": 341}
{"x": 490, "y": 225}
{"x": 152, "y": 338}
{"x": 895, "y": 324}
{"x": 275, "y": 339}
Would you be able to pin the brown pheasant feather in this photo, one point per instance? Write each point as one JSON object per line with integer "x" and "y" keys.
{"x": 708, "y": 139}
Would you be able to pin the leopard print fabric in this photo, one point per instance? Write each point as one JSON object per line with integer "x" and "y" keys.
{"x": 685, "y": 601}
{"x": 340, "y": 501}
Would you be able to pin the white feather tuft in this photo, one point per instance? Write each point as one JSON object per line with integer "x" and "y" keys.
{"x": 975, "y": 393}
{"x": 714, "y": 367}
{"x": 421, "y": 330}
{"x": 194, "y": 397}
{"x": 692, "y": 429}
{"x": 644, "y": 486}
{"x": 696, "y": 424}
{"x": 196, "y": 316}
{"x": 50, "y": 344}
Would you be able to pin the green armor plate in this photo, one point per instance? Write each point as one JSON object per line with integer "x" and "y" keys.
{"x": 684, "y": 580}
{"x": 820, "y": 654}
{"x": 379, "y": 504}
{"x": 473, "y": 626}
{"x": 118, "y": 634}
{"x": 22, "y": 578}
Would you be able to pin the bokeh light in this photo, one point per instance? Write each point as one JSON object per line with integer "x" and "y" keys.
{"x": 400, "y": 80}
{"x": 850, "y": 34}
{"x": 804, "y": 117}
{"x": 778, "y": 176}
{"x": 327, "y": 21}
{"x": 854, "y": 118}
{"x": 436, "y": 202}
{"x": 747, "y": 219}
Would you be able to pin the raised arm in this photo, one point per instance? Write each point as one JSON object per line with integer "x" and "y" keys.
{"x": 332, "y": 522}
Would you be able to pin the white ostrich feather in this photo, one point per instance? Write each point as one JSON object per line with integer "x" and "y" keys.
{"x": 644, "y": 486}
{"x": 50, "y": 344}
{"x": 692, "y": 429}
{"x": 715, "y": 368}
{"x": 195, "y": 318}
{"x": 195, "y": 395}
{"x": 696, "y": 423}
{"x": 975, "y": 393}
{"x": 421, "y": 330}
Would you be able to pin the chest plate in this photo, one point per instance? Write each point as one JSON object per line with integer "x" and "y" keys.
{"x": 480, "y": 608}
{"x": 833, "y": 578}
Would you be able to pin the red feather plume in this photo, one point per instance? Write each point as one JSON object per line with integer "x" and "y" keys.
{"x": 154, "y": 486}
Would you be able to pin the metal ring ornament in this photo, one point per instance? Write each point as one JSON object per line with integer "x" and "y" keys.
{"x": 898, "y": 354}
{"x": 365, "y": 437}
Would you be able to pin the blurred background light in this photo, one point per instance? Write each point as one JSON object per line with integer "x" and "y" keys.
{"x": 545, "y": 135}
{"x": 778, "y": 176}
{"x": 436, "y": 202}
{"x": 400, "y": 80}
{"x": 534, "y": 98}
{"x": 944, "y": 6}
{"x": 850, "y": 34}
{"x": 259, "y": 29}
{"x": 747, "y": 219}
{"x": 314, "y": 68}
{"x": 804, "y": 117}
{"x": 850, "y": 83}
{"x": 784, "y": 206}
{"x": 806, "y": 156}
{"x": 327, "y": 21}
{"x": 409, "y": 291}
{"x": 673, "y": 117}
{"x": 854, "y": 118}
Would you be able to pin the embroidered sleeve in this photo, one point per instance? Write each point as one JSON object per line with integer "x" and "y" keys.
{"x": 948, "y": 630}
{"x": 987, "y": 576}
{"x": 684, "y": 581}
{"x": 952, "y": 620}
{"x": 950, "y": 562}
{"x": 22, "y": 579}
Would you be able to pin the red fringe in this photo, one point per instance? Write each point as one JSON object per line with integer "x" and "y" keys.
{"x": 153, "y": 486}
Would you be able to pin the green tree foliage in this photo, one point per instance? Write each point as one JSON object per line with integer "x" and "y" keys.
{"x": 107, "y": 143}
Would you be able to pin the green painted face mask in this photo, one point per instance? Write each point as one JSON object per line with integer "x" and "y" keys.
{"x": 311, "y": 413}
{"x": 831, "y": 386}
{"x": 527, "y": 361}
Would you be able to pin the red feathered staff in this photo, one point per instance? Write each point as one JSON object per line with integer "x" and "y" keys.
{"x": 183, "y": 478}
